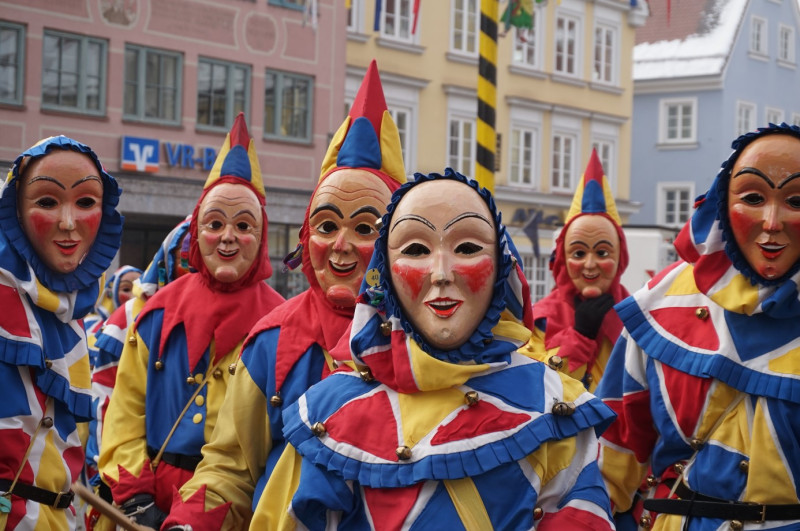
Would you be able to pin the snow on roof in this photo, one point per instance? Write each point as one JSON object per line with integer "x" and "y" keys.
{"x": 698, "y": 45}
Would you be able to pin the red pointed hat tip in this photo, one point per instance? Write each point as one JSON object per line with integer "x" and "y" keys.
{"x": 594, "y": 170}
{"x": 370, "y": 101}
{"x": 239, "y": 134}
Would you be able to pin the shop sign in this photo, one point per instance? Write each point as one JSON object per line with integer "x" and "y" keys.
{"x": 144, "y": 155}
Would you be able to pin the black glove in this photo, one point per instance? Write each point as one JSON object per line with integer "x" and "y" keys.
{"x": 589, "y": 313}
{"x": 142, "y": 510}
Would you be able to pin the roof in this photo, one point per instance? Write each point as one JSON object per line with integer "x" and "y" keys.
{"x": 694, "y": 38}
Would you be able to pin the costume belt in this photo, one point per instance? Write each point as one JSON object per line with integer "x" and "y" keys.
{"x": 695, "y": 504}
{"x": 186, "y": 462}
{"x": 59, "y": 500}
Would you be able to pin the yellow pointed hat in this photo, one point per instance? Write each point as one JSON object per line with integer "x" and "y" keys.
{"x": 238, "y": 158}
{"x": 368, "y": 137}
{"x": 593, "y": 194}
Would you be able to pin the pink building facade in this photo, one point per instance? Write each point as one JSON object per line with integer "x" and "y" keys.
{"x": 153, "y": 87}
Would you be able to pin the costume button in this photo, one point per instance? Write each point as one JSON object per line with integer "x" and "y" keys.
{"x": 159, "y": 365}
{"x": 232, "y": 368}
{"x": 366, "y": 374}
{"x": 555, "y": 362}
{"x": 198, "y": 378}
{"x": 678, "y": 468}
{"x": 276, "y": 401}
{"x": 646, "y": 521}
{"x": 318, "y": 429}
{"x": 403, "y": 452}
{"x": 47, "y": 422}
{"x": 471, "y": 398}
{"x": 386, "y": 328}
{"x": 190, "y": 380}
{"x": 198, "y": 418}
{"x": 736, "y": 525}
{"x": 744, "y": 465}
{"x": 651, "y": 481}
{"x": 132, "y": 340}
{"x": 217, "y": 373}
{"x": 696, "y": 443}
{"x": 563, "y": 409}
{"x": 588, "y": 378}
{"x": 538, "y": 512}
{"x": 701, "y": 313}
{"x": 199, "y": 400}
{"x": 48, "y": 363}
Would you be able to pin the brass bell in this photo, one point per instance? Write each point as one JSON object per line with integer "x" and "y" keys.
{"x": 386, "y": 328}
{"x": 378, "y": 224}
{"x": 651, "y": 481}
{"x": 646, "y": 521}
{"x": 190, "y": 380}
{"x": 403, "y": 452}
{"x": 744, "y": 465}
{"x": 217, "y": 373}
{"x": 471, "y": 398}
{"x": 276, "y": 401}
{"x": 159, "y": 365}
{"x": 132, "y": 340}
{"x": 678, "y": 468}
{"x": 232, "y": 368}
{"x": 318, "y": 429}
{"x": 555, "y": 362}
{"x": 538, "y": 512}
{"x": 736, "y": 525}
{"x": 47, "y": 422}
{"x": 366, "y": 374}
{"x": 701, "y": 313}
{"x": 588, "y": 378}
{"x": 48, "y": 363}
{"x": 696, "y": 443}
{"x": 563, "y": 409}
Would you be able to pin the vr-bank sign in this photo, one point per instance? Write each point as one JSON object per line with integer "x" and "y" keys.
{"x": 143, "y": 155}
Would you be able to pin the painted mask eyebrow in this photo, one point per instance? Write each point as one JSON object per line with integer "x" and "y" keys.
{"x": 414, "y": 217}
{"x": 87, "y": 178}
{"x": 601, "y": 242}
{"x": 755, "y": 171}
{"x": 464, "y": 216}
{"x": 367, "y": 209}
{"x": 327, "y": 206}
{"x": 789, "y": 178}
{"x": 48, "y": 179}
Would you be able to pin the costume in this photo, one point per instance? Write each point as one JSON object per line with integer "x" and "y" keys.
{"x": 109, "y": 301}
{"x": 422, "y": 438}
{"x": 555, "y": 333}
{"x": 173, "y": 374}
{"x": 44, "y": 361}
{"x": 289, "y": 349}
{"x": 705, "y": 379}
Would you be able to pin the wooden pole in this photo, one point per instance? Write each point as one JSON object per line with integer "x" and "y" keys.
{"x": 105, "y": 508}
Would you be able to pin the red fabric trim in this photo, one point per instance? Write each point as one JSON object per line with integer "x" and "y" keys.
{"x": 193, "y": 512}
{"x": 572, "y": 519}
{"x": 389, "y": 508}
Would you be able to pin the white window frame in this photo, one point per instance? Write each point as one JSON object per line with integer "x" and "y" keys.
{"x": 759, "y": 36}
{"x": 461, "y": 14}
{"x": 13, "y": 73}
{"x": 609, "y": 66}
{"x": 527, "y": 48}
{"x": 230, "y": 98}
{"x": 407, "y": 133}
{"x": 664, "y": 125}
{"x": 745, "y": 117}
{"x": 661, "y": 202}
{"x": 465, "y": 149}
{"x": 537, "y": 273}
{"x": 283, "y": 78}
{"x": 564, "y": 160}
{"x": 796, "y": 118}
{"x": 355, "y": 17}
{"x": 773, "y": 115}
{"x": 519, "y": 151}
{"x": 563, "y": 41}
{"x": 786, "y": 44}
{"x": 81, "y": 72}
{"x": 395, "y": 33}
{"x": 141, "y": 85}
{"x": 606, "y": 148}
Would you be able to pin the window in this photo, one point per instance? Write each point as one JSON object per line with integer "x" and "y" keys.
{"x": 287, "y": 106}
{"x": 223, "y": 90}
{"x": 566, "y": 45}
{"x": 745, "y": 117}
{"x": 396, "y": 19}
{"x": 152, "y": 85}
{"x": 12, "y": 62}
{"x": 526, "y": 49}
{"x": 292, "y": 4}
{"x": 461, "y": 145}
{"x": 605, "y": 52}
{"x": 354, "y": 23}
{"x": 677, "y": 121}
{"x": 464, "y": 37}
{"x": 606, "y": 152}
{"x": 564, "y": 148}
{"x": 524, "y": 141}
{"x": 537, "y": 272}
{"x": 773, "y": 116}
{"x": 758, "y": 36}
{"x": 796, "y": 119}
{"x": 74, "y": 73}
{"x": 786, "y": 43}
{"x": 402, "y": 119}
{"x": 675, "y": 202}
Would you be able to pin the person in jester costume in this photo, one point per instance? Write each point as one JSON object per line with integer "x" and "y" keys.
{"x": 442, "y": 425}
{"x": 575, "y": 325}
{"x": 173, "y": 371}
{"x": 705, "y": 377}
{"x": 292, "y": 347}
{"x": 59, "y": 232}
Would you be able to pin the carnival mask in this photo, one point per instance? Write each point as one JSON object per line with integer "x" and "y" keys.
{"x": 591, "y": 246}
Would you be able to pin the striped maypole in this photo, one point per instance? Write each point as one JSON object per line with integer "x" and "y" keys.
{"x": 487, "y": 95}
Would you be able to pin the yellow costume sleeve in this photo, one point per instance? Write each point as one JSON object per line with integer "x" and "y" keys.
{"x": 273, "y": 510}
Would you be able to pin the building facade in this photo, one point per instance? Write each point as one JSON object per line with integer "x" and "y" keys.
{"x": 564, "y": 86}
{"x": 153, "y": 87}
{"x": 705, "y": 73}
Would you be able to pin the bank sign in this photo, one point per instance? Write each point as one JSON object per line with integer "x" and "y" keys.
{"x": 144, "y": 155}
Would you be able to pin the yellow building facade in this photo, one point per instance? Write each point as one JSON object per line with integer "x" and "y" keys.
{"x": 564, "y": 86}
